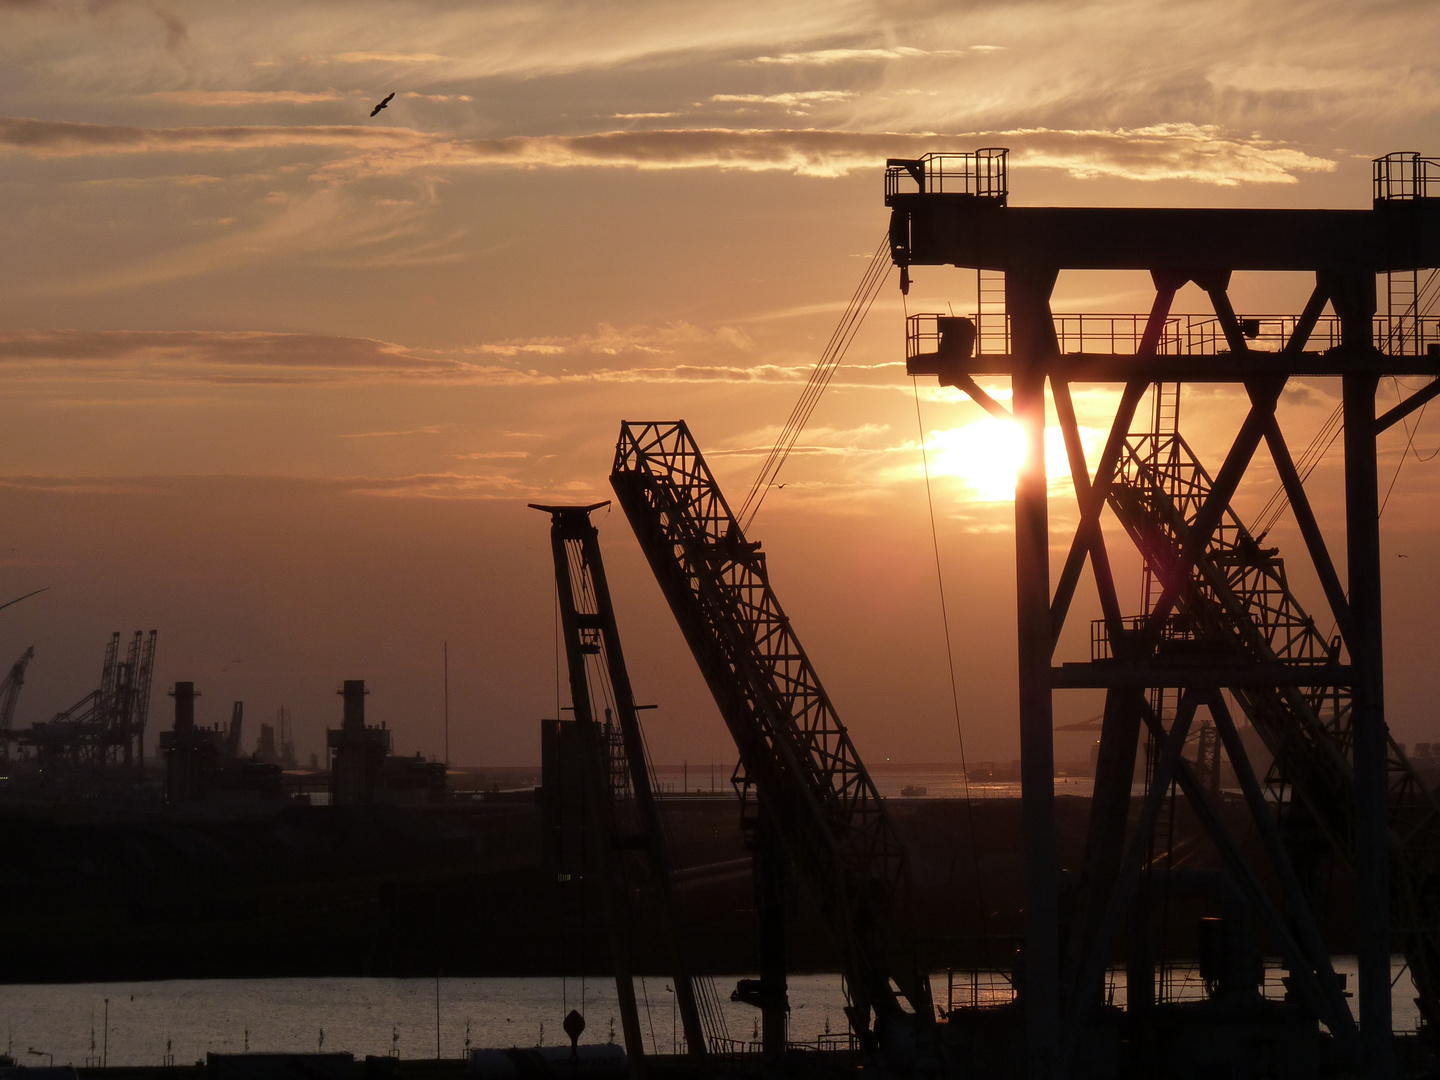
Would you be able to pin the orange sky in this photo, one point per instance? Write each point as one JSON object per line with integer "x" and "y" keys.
{"x": 279, "y": 378}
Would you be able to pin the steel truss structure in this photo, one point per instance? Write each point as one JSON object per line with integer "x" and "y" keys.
{"x": 1219, "y": 613}
{"x": 9, "y": 695}
{"x": 794, "y": 751}
{"x": 103, "y": 732}
{"x": 627, "y": 832}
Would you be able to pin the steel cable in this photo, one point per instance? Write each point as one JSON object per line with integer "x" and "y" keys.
{"x": 844, "y": 333}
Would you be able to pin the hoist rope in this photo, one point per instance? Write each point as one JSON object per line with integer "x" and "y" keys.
{"x": 559, "y": 759}
{"x": 1305, "y": 464}
{"x": 864, "y": 296}
{"x": 949, "y": 655}
{"x": 1425, "y": 297}
{"x": 949, "y": 651}
{"x": 1410, "y": 433}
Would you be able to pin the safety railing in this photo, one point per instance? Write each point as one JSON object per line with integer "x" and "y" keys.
{"x": 1405, "y": 175}
{"x": 981, "y": 173}
{"x": 830, "y": 1042}
{"x": 978, "y": 988}
{"x": 1178, "y": 627}
{"x": 1183, "y": 335}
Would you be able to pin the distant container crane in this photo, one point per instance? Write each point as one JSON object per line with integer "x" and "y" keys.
{"x": 102, "y": 734}
{"x": 9, "y": 695}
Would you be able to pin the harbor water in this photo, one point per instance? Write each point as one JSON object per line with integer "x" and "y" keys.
{"x": 186, "y": 1019}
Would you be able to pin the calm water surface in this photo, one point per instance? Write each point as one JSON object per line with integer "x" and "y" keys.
{"x": 361, "y": 1016}
{"x": 381, "y": 1016}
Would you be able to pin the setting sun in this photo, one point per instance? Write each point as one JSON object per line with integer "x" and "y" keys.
{"x": 986, "y": 455}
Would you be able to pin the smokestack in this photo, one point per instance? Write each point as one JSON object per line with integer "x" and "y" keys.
{"x": 354, "y": 694}
{"x": 184, "y": 695}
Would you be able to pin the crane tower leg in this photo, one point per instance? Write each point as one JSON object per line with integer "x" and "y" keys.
{"x": 1033, "y": 334}
{"x": 772, "y": 874}
{"x": 1353, "y": 297}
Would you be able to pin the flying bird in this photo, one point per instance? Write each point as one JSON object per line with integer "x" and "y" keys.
{"x": 376, "y": 111}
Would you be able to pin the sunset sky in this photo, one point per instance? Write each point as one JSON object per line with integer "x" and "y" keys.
{"x": 279, "y": 379}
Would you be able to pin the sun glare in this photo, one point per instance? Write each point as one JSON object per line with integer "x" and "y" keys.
{"x": 986, "y": 455}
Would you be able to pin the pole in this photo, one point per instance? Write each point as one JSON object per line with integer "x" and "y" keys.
{"x": 447, "y": 705}
{"x": 105, "y": 1042}
{"x": 437, "y": 1016}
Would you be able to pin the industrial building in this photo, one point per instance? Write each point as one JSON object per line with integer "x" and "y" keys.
{"x": 362, "y": 768}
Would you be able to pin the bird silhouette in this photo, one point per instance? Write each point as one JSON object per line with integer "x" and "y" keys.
{"x": 376, "y": 111}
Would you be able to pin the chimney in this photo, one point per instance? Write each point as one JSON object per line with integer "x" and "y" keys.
{"x": 354, "y": 693}
{"x": 184, "y": 695}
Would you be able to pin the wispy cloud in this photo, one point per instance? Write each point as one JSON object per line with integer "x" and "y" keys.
{"x": 790, "y": 100}
{"x": 61, "y": 138}
{"x": 436, "y": 485}
{"x": 66, "y": 357}
{"x": 429, "y": 429}
{"x": 611, "y": 341}
{"x": 210, "y": 356}
{"x": 245, "y": 97}
{"x": 84, "y": 485}
{"x": 843, "y": 56}
{"x": 1179, "y": 151}
{"x": 387, "y": 58}
{"x": 1197, "y": 152}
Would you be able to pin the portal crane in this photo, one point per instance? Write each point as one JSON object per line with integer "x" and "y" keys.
{"x": 617, "y": 784}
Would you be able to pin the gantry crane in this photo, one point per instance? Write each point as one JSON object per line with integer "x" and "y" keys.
{"x": 1222, "y": 614}
{"x": 812, "y": 787}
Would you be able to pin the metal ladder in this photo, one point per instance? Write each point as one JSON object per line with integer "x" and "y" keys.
{"x": 992, "y": 328}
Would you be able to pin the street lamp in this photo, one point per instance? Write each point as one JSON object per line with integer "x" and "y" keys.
{"x": 42, "y": 1053}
